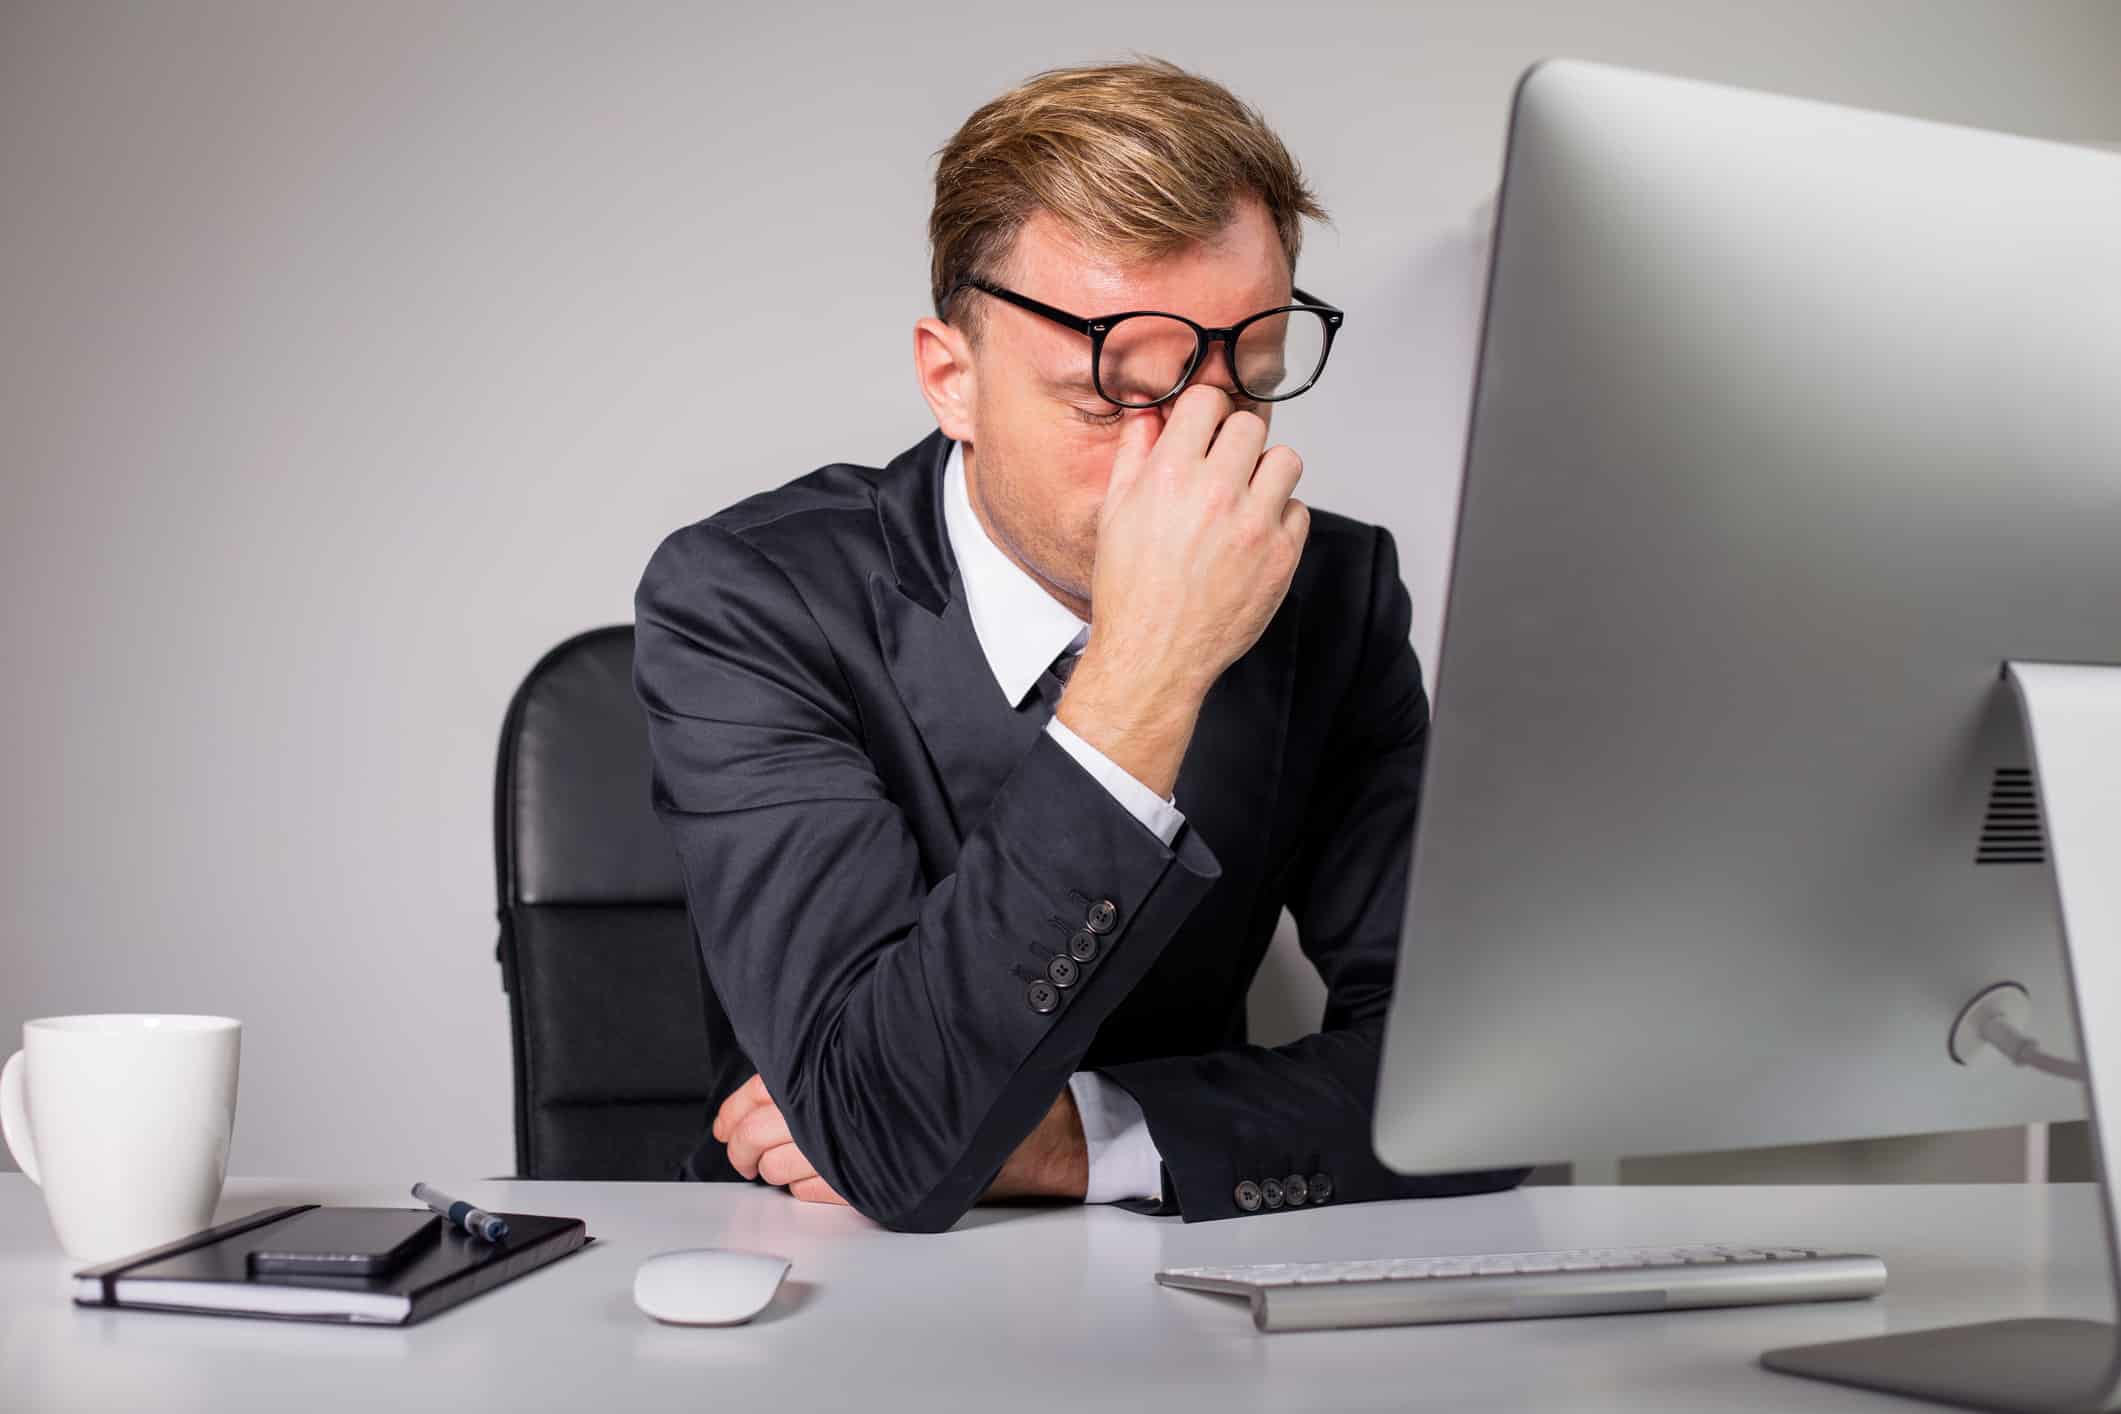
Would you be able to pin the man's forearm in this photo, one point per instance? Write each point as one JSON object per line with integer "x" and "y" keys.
{"x": 894, "y": 1118}
{"x": 1301, "y": 1110}
{"x": 1052, "y": 1162}
{"x": 1140, "y": 727}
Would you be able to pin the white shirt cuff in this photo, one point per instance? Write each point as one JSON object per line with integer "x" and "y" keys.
{"x": 1124, "y": 1162}
{"x": 1159, "y": 815}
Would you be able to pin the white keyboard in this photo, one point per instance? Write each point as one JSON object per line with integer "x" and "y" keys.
{"x": 1518, "y": 1285}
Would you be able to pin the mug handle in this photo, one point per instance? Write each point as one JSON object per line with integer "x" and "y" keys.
{"x": 14, "y": 1118}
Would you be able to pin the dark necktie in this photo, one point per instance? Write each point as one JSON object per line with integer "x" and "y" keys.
{"x": 1053, "y": 682}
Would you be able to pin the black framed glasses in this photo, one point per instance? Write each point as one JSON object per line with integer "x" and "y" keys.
{"x": 1143, "y": 357}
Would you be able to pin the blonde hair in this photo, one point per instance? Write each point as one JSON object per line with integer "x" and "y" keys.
{"x": 1136, "y": 160}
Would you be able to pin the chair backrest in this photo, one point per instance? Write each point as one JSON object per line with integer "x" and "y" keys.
{"x": 607, "y": 1003}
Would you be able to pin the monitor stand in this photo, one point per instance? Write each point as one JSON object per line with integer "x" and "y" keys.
{"x": 2072, "y": 715}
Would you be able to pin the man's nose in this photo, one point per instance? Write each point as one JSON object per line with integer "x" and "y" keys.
{"x": 1215, "y": 371}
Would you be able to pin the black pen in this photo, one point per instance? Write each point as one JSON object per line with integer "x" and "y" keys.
{"x": 475, "y": 1221}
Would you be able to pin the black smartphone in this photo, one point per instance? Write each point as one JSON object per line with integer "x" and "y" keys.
{"x": 352, "y": 1242}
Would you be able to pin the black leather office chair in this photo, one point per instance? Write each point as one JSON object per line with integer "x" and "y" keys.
{"x": 606, "y": 997}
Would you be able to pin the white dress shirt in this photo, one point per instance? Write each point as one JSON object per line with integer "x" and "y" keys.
{"x": 1021, "y": 630}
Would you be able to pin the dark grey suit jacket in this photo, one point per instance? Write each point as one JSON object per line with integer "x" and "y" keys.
{"x": 882, "y": 857}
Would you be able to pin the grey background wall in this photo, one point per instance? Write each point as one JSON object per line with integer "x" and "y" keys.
{"x": 351, "y": 355}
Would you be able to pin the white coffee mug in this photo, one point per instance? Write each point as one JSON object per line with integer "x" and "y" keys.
{"x": 124, "y": 1122}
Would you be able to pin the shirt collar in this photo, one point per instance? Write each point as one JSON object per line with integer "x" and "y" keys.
{"x": 1020, "y": 627}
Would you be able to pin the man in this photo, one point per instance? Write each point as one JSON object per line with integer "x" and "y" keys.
{"x": 991, "y": 772}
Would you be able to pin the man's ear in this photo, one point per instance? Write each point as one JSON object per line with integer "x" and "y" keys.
{"x": 942, "y": 361}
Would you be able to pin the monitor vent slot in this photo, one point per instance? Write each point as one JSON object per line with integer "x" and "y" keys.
{"x": 2011, "y": 832}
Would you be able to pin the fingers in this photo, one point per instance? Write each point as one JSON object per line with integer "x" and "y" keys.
{"x": 1137, "y": 437}
{"x": 816, "y": 1190}
{"x": 742, "y": 1101}
{"x": 764, "y": 1128}
{"x": 760, "y": 1146}
{"x": 784, "y": 1165}
{"x": 1238, "y": 443}
{"x": 1296, "y": 522}
{"x": 1275, "y": 479}
{"x": 1195, "y": 416}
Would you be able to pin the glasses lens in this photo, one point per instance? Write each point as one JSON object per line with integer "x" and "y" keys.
{"x": 1280, "y": 353}
{"x": 1145, "y": 357}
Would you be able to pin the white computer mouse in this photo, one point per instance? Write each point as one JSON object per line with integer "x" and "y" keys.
{"x": 707, "y": 1286}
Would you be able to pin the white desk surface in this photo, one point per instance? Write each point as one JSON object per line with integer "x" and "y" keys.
{"x": 1051, "y": 1308}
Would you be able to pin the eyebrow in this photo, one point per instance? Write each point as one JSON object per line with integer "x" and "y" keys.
{"x": 1073, "y": 383}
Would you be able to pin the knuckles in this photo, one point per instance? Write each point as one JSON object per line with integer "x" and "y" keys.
{"x": 752, "y": 1130}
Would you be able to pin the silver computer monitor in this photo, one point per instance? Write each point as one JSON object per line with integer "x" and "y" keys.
{"x": 1794, "y": 425}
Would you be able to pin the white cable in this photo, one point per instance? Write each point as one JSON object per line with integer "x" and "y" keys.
{"x": 2022, "y": 1049}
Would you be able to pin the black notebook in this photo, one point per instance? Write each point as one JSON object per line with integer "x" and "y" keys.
{"x": 213, "y": 1271}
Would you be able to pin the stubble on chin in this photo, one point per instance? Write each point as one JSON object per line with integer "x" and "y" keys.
{"x": 1059, "y": 559}
{"x": 1068, "y": 568}
{"x": 1083, "y": 568}
{"x": 1066, "y": 561}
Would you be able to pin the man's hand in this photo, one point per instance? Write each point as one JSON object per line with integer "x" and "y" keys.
{"x": 1052, "y": 1162}
{"x": 751, "y": 1127}
{"x": 1197, "y": 541}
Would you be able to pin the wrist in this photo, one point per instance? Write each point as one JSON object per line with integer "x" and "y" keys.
{"x": 1135, "y": 675}
{"x": 1052, "y": 1162}
{"x": 1140, "y": 723}
{"x": 1067, "y": 1151}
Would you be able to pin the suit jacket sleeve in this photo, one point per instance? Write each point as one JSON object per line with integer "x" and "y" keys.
{"x": 889, "y": 1014}
{"x": 1254, "y": 1112}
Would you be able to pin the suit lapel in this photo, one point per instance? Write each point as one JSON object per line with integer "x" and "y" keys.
{"x": 974, "y": 737}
